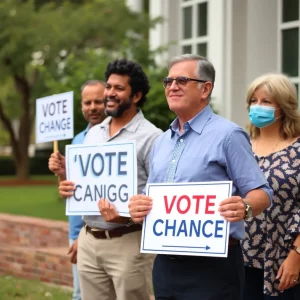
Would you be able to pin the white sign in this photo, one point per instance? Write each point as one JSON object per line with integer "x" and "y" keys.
{"x": 54, "y": 118}
{"x": 107, "y": 170}
{"x": 184, "y": 219}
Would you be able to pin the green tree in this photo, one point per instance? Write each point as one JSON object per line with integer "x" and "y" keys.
{"x": 35, "y": 37}
{"x": 76, "y": 71}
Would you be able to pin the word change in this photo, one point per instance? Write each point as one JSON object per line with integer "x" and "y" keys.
{"x": 54, "y": 117}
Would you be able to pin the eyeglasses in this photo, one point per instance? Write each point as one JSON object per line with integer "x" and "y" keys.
{"x": 180, "y": 81}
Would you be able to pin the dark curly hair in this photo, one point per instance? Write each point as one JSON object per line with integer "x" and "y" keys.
{"x": 138, "y": 80}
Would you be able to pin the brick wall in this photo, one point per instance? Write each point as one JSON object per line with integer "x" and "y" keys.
{"x": 34, "y": 248}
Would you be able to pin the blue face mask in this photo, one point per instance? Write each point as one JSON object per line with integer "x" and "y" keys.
{"x": 261, "y": 116}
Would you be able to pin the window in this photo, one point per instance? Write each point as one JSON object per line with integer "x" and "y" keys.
{"x": 290, "y": 49}
{"x": 290, "y": 10}
{"x": 194, "y": 35}
{"x": 289, "y": 27}
{"x": 187, "y": 49}
{"x": 187, "y": 22}
{"x": 202, "y": 19}
{"x": 202, "y": 49}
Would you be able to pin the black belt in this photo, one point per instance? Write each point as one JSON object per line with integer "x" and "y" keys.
{"x": 112, "y": 233}
{"x": 232, "y": 242}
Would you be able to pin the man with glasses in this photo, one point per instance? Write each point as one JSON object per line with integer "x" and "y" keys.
{"x": 202, "y": 146}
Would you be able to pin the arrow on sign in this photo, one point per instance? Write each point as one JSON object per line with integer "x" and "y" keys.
{"x": 206, "y": 247}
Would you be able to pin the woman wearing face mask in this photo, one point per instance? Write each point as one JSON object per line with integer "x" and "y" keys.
{"x": 272, "y": 245}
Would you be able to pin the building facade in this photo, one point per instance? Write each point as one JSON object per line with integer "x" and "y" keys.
{"x": 242, "y": 38}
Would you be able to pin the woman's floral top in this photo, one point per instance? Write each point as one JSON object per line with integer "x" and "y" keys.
{"x": 269, "y": 236}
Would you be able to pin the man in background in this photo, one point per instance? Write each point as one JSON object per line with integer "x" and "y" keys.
{"x": 92, "y": 106}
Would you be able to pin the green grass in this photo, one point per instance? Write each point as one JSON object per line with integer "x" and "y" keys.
{"x": 14, "y": 288}
{"x": 39, "y": 177}
{"x": 36, "y": 201}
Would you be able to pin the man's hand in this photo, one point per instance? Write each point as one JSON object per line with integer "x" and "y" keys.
{"x": 57, "y": 164}
{"x": 66, "y": 188}
{"x": 139, "y": 207}
{"x": 232, "y": 209}
{"x": 109, "y": 212}
{"x": 73, "y": 252}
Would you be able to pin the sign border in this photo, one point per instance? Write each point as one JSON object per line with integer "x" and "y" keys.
{"x": 52, "y": 138}
{"x": 107, "y": 144}
{"x": 227, "y": 232}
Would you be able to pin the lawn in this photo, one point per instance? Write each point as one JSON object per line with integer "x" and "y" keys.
{"x": 14, "y": 288}
{"x": 39, "y": 177}
{"x": 33, "y": 200}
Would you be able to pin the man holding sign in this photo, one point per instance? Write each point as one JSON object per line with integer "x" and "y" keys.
{"x": 200, "y": 147}
{"x": 109, "y": 260}
{"x": 92, "y": 106}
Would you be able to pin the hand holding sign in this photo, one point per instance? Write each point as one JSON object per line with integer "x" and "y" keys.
{"x": 139, "y": 207}
{"x": 108, "y": 211}
{"x": 57, "y": 164}
{"x": 232, "y": 209}
{"x": 66, "y": 188}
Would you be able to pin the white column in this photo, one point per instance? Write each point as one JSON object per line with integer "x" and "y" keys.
{"x": 166, "y": 32}
{"x": 227, "y": 67}
{"x": 158, "y": 35}
{"x": 236, "y": 111}
{"x": 215, "y": 49}
{"x": 250, "y": 49}
{"x": 135, "y": 5}
{"x": 262, "y": 33}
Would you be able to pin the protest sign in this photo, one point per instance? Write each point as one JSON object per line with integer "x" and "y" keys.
{"x": 54, "y": 118}
{"x": 107, "y": 170}
{"x": 184, "y": 219}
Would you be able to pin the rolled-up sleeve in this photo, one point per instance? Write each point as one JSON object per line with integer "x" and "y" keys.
{"x": 241, "y": 165}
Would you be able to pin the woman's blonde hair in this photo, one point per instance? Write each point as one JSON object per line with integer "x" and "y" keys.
{"x": 281, "y": 90}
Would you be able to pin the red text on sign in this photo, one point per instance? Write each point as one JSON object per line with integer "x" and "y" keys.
{"x": 185, "y": 204}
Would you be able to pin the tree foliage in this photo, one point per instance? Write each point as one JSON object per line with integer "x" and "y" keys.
{"x": 51, "y": 46}
{"x": 74, "y": 72}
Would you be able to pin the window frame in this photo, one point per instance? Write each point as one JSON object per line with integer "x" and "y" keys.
{"x": 194, "y": 40}
{"x": 283, "y": 26}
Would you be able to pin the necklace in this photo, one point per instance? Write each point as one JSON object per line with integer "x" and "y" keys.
{"x": 273, "y": 149}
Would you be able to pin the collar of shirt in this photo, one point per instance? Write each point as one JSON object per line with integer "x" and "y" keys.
{"x": 86, "y": 129}
{"x": 132, "y": 126}
{"x": 196, "y": 124}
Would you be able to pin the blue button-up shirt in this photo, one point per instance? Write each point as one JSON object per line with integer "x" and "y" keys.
{"x": 210, "y": 149}
{"x": 76, "y": 222}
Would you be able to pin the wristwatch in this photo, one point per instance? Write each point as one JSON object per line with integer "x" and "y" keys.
{"x": 130, "y": 222}
{"x": 296, "y": 248}
{"x": 248, "y": 210}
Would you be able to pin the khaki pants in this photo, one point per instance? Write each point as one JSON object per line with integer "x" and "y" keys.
{"x": 114, "y": 268}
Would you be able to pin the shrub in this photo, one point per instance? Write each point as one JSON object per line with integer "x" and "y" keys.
{"x": 38, "y": 165}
